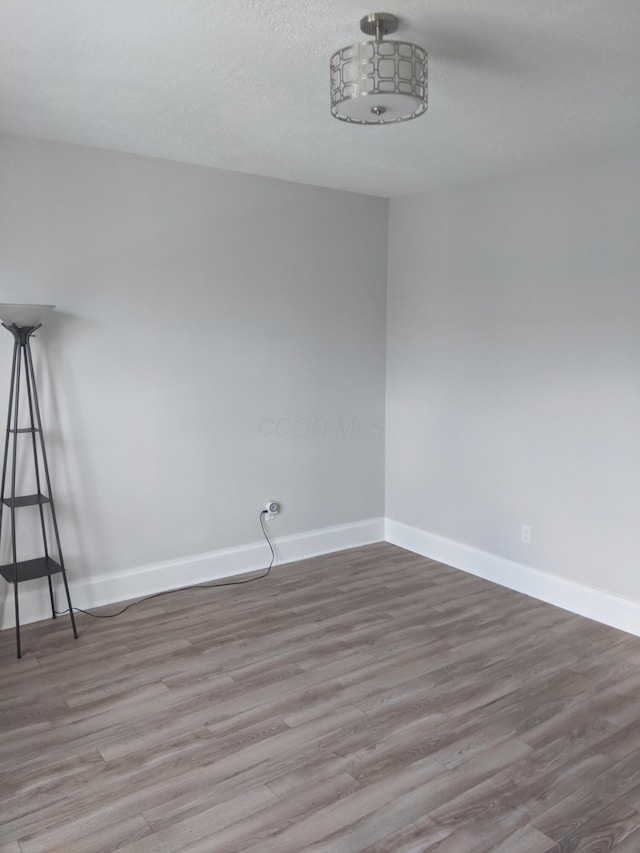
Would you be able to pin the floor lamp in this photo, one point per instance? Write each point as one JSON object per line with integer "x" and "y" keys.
{"x": 22, "y": 321}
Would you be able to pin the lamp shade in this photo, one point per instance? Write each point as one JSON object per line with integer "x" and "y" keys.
{"x": 23, "y": 315}
{"x": 379, "y": 82}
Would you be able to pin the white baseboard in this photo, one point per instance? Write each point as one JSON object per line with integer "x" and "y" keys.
{"x": 595, "y": 604}
{"x": 171, "y": 574}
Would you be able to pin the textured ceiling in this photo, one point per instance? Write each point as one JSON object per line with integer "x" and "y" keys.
{"x": 243, "y": 84}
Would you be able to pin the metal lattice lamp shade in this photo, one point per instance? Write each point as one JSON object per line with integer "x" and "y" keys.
{"x": 379, "y": 82}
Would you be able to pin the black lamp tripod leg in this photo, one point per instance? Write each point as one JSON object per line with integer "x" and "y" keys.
{"x": 14, "y": 550}
{"x": 31, "y": 385}
{"x": 6, "y": 441}
{"x": 71, "y": 616}
{"x": 30, "y": 382}
{"x": 14, "y": 371}
{"x": 52, "y": 598}
{"x": 15, "y": 597}
{"x": 35, "y": 410}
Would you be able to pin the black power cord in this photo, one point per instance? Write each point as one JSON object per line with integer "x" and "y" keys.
{"x": 183, "y": 588}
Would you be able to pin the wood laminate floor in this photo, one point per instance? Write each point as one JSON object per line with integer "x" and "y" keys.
{"x": 370, "y": 700}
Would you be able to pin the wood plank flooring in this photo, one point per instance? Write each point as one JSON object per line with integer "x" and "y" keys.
{"x": 370, "y": 700}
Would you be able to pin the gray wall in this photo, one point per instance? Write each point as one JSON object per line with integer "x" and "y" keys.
{"x": 219, "y": 340}
{"x": 513, "y": 393}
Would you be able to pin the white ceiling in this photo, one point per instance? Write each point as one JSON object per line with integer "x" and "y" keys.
{"x": 244, "y": 84}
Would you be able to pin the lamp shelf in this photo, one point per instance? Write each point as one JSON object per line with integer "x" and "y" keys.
{"x": 29, "y": 570}
{"x": 26, "y": 500}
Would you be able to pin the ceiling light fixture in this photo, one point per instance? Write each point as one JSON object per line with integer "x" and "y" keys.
{"x": 379, "y": 82}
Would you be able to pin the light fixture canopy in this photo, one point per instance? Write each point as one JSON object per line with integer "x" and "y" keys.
{"x": 379, "y": 82}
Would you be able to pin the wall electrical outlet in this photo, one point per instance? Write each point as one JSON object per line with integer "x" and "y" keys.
{"x": 525, "y": 534}
{"x": 272, "y": 508}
